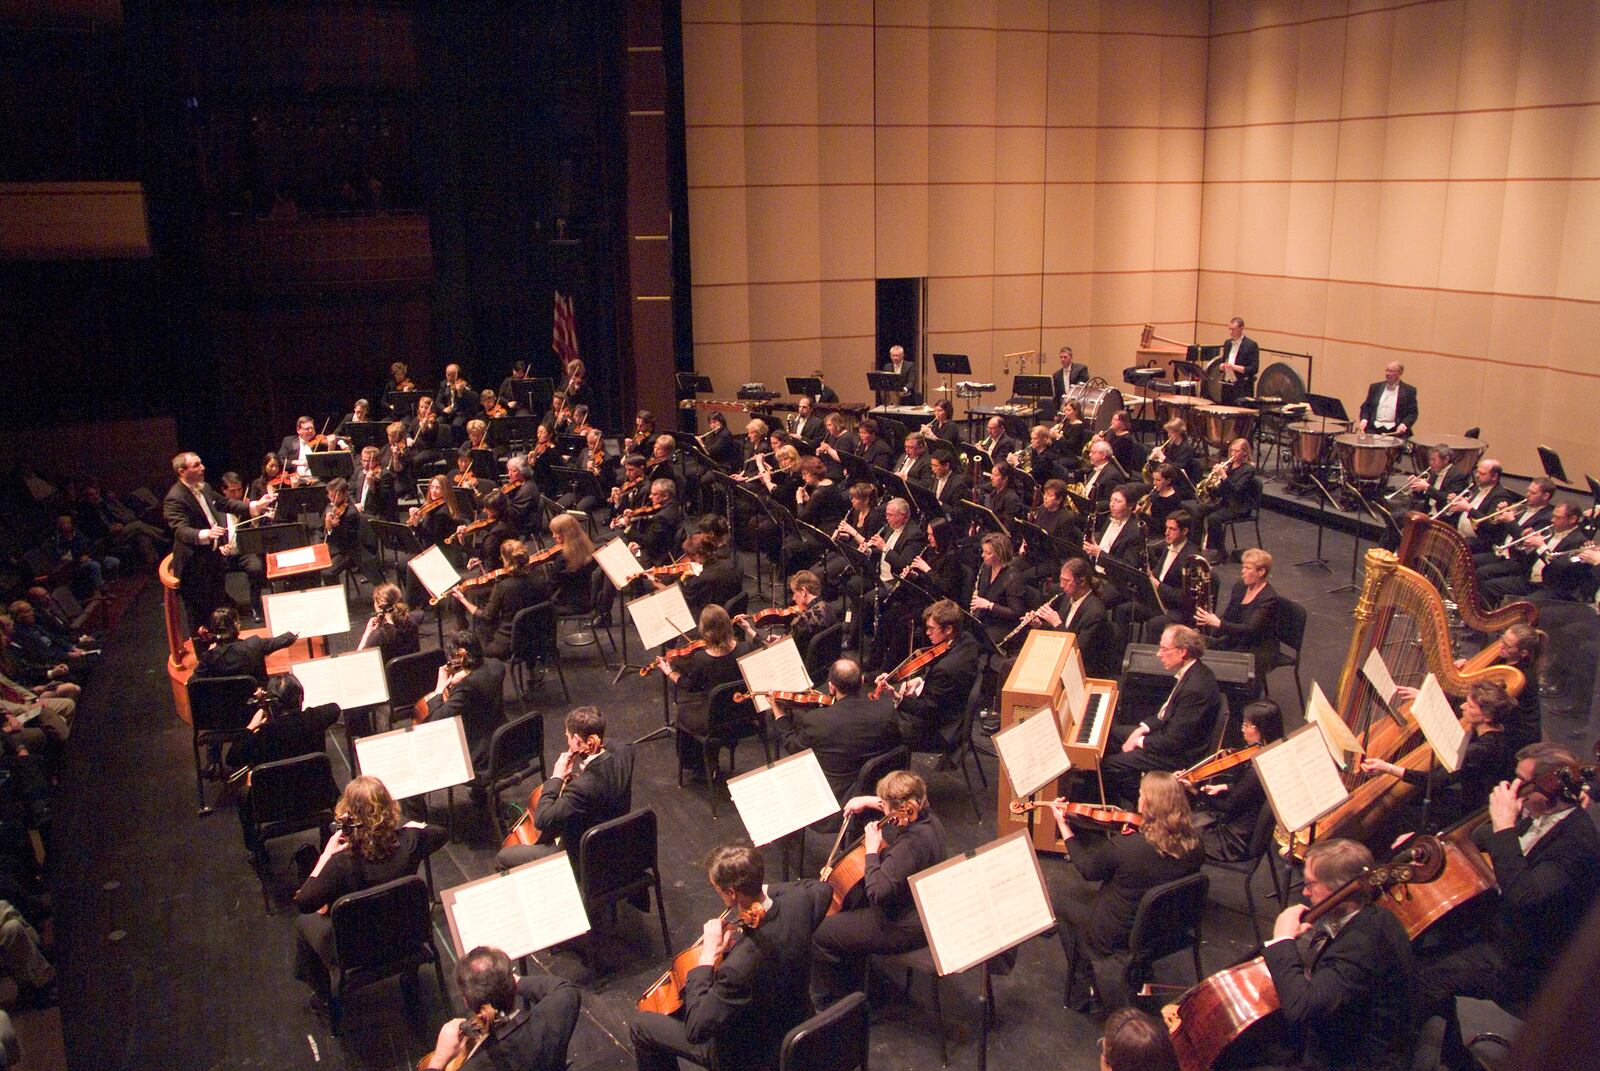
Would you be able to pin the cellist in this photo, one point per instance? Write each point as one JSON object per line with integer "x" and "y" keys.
{"x": 591, "y": 782}
{"x": 742, "y": 995}
{"x": 529, "y": 1020}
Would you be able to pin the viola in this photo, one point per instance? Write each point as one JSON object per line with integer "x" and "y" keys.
{"x": 913, "y": 664}
{"x": 666, "y": 994}
{"x": 425, "y": 509}
{"x": 597, "y": 460}
{"x": 799, "y": 699}
{"x": 1093, "y": 812}
{"x": 334, "y": 516}
{"x": 465, "y": 479}
{"x": 643, "y": 511}
{"x": 1219, "y": 763}
{"x": 675, "y": 653}
{"x": 467, "y": 529}
{"x": 772, "y": 615}
{"x": 618, "y": 492}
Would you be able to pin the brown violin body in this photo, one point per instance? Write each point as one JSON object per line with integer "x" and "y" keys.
{"x": 1093, "y": 812}
{"x": 913, "y": 664}
{"x": 772, "y": 615}
{"x": 799, "y": 699}
{"x": 1220, "y": 763}
{"x": 674, "y": 653}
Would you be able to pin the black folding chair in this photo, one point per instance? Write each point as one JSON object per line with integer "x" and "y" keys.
{"x": 286, "y": 797}
{"x": 220, "y": 709}
{"x": 383, "y": 932}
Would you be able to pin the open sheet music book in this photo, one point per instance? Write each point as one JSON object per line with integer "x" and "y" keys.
{"x": 661, "y": 617}
{"x": 1032, "y": 752}
{"x": 778, "y": 668}
{"x": 352, "y": 680}
{"x": 313, "y": 612}
{"x": 1301, "y": 780}
{"x": 618, "y": 562}
{"x": 435, "y": 571}
{"x": 1438, "y": 721}
{"x": 774, "y": 801}
{"x": 519, "y": 912}
{"x": 288, "y": 559}
{"x": 418, "y": 759}
{"x": 980, "y": 903}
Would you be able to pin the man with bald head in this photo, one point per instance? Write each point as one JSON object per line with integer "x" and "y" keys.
{"x": 1391, "y": 405}
{"x": 843, "y": 736}
{"x": 907, "y": 371}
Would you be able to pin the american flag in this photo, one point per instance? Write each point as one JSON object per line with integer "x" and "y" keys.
{"x": 564, "y": 329}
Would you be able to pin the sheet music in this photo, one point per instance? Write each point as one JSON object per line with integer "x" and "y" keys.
{"x": 519, "y": 912}
{"x": 288, "y": 559}
{"x": 312, "y": 612}
{"x": 1342, "y": 743}
{"x": 1077, "y": 687}
{"x": 661, "y": 617}
{"x": 1376, "y": 670}
{"x": 1437, "y": 719}
{"x": 778, "y": 668}
{"x": 1300, "y": 778}
{"x": 434, "y": 570}
{"x": 352, "y": 680}
{"x": 1032, "y": 752}
{"x": 421, "y": 759}
{"x": 978, "y": 905}
{"x": 618, "y": 562}
{"x": 776, "y": 800}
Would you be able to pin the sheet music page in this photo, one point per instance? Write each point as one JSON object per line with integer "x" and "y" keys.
{"x": 1032, "y": 752}
{"x": 618, "y": 562}
{"x": 662, "y": 617}
{"x": 776, "y": 800}
{"x": 1076, "y": 685}
{"x": 320, "y": 679}
{"x": 977, "y": 906}
{"x": 434, "y": 570}
{"x": 288, "y": 559}
{"x": 313, "y": 612}
{"x": 412, "y": 761}
{"x": 1376, "y": 670}
{"x": 1342, "y": 743}
{"x": 778, "y": 668}
{"x": 520, "y": 912}
{"x": 1439, "y": 724}
{"x": 362, "y": 682}
{"x": 1300, "y": 778}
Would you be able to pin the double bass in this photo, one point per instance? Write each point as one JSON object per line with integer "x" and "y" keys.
{"x": 1219, "y": 1009}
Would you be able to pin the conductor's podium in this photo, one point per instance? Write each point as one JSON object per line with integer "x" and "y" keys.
{"x": 1035, "y": 681}
{"x": 180, "y": 651}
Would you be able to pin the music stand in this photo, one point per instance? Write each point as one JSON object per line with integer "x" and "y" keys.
{"x": 462, "y": 504}
{"x": 984, "y": 512}
{"x": 508, "y": 431}
{"x": 483, "y": 463}
{"x": 1552, "y": 464}
{"x": 581, "y": 482}
{"x": 950, "y": 365}
{"x": 297, "y": 501}
{"x": 691, "y": 383}
{"x": 1324, "y": 405}
{"x": 270, "y": 538}
{"x": 329, "y": 465}
{"x": 883, "y": 383}
{"x": 533, "y": 395}
{"x": 402, "y": 402}
{"x": 1031, "y": 387}
{"x": 810, "y": 386}
{"x": 364, "y": 433}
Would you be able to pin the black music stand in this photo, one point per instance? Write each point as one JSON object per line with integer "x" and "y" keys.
{"x": 483, "y": 466}
{"x": 885, "y": 383}
{"x": 402, "y": 403}
{"x": 1325, "y": 405}
{"x": 1552, "y": 464}
{"x": 396, "y": 537}
{"x": 580, "y": 482}
{"x": 810, "y": 386}
{"x": 329, "y": 465}
{"x": 295, "y": 502}
{"x": 461, "y": 502}
{"x": 364, "y": 433}
{"x": 985, "y": 514}
{"x": 533, "y": 395}
{"x": 1031, "y": 387}
{"x": 512, "y": 430}
{"x": 692, "y": 383}
{"x": 950, "y": 365}
{"x": 267, "y": 539}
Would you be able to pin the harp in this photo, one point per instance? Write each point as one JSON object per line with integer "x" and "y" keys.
{"x": 1437, "y": 551}
{"x": 1401, "y": 615}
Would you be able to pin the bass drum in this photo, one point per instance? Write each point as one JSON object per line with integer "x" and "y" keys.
{"x": 1097, "y": 400}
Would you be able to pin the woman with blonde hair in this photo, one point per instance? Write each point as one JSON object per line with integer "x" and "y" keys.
{"x": 370, "y": 847}
{"x": 1163, "y": 848}
{"x": 1249, "y": 619}
{"x": 696, "y": 675}
{"x": 567, "y": 579}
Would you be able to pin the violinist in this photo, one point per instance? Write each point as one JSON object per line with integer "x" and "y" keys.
{"x": 654, "y": 532}
{"x": 812, "y": 613}
{"x": 489, "y": 406}
{"x": 929, "y": 706}
{"x": 427, "y": 434}
{"x": 644, "y": 432}
{"x": 507, "y": 394}
{"x": 432, "y": 519}
{"x": 631, "y": 491}
{"x": 590, "y": 783}
{"x": 394, "y": 459}
{"x": 576, "y": 389}
{"x": 661, "y": 465}
{"x": 400, "y": 378}
{"x": 1348, "y": 986}
{"x": 469, "y": 686}
{"x": 370, "y": 491}
{"x": 360, "y": 413}
{"x": 522, "y": 494}
{"x": 463, "y": 476}
{"x": 1546, "y": 857}
{"x": 456, "y": 402}
{"x": 593, "y": 460}
{"x": 531, "y": 1018}
{"x": 491, "y": 618}
{"x": 347, "y": 536}
{"x": 1487, "y": 760}
{"x": 743, "y": 995}
{"x": 879, "y": 915}
{"x": 714, "y": 661}
{"x": 1236, "y": 805}
{"x": 568, "y": 579}
{"x": 1164, "y": 848}
{"x": 558, "y": 419}
{"x": 719, "y": 580}
{"x": 477, "y": 433}
{"x": 296, "y": 449}
{"x": 580, "y": 421}
{"x": 845, "y": 735}
{"x": 270, "y": 478}
{"x": 391, "y": 629}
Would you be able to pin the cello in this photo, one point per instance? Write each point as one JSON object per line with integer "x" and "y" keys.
{"x": 665, "y": 994}
{"x": 1218, "y": 1010}
{"x": 525, "y": 832}
{"x": 850, "y": 869}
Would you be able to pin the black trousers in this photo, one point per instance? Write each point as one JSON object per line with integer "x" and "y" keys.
{"x": 659, "y": 1040}
{"x": 842, "y": 943}
{"x": 1478, "y": 971}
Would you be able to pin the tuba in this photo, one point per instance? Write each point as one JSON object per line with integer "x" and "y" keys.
{"x": 1196, "y": 586}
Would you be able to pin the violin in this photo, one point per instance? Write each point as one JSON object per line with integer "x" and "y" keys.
{"x": 913, "y": 664}
{"x": 772, "y": 615}
{"x": 467, "y": 529}
{"x": 1093, "y": 812}
{"x": 495, "y": 411}
{"x": 465, "y": 479}
{"x": 666, "y": 994}
{"x": 525, "y": 832}
{"x": 474, "y": 1030}
{"x": 673, "y": 570}
{"x": 799, "y": 699}
{"x": 675, "y": 653}
{"x": 1219, "y": 763}
{"x": 618, "y": 492}
{"x": 425, "y": 509}
{"x": 334, "y": 516}
{"x": 538, "y": 451}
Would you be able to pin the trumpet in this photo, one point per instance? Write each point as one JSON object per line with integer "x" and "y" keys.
{"x": 1504, "y": 549}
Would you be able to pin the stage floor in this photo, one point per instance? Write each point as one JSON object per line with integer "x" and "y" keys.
{"x": 168, "y": 959}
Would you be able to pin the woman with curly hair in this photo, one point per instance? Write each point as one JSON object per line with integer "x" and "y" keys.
{"x": 371, "y": 847}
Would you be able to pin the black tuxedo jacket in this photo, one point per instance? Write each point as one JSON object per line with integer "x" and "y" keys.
{"x": 879, "y": 454}
{"x": 476, "y": 699}
{"x": 536, "y": 1035}
{"x": 1405, "y": 409}
{"x": 1249, "y": 358}
{"x": 921, "y": 470}
{"x": 246, "y": 657}
{"x": 1545, "y": 894}
{"x": 955, "y": 489}
{"x": 1430, "y": 500}
{"x": 380, "y": 497}
{"x": 1171, "y": 580}
{"x": 1059, "y": 382}
{"x": 187, "y": 520}
{"x": 908, "y": 379}
{"x": 811, "y": 429}
{"x": 1358, "y": 1007}
{"x": 1129, "y": 544}
{"x": 603, "y": 791}
{"x": 912, "y": 542}
{"x": 844, "y": 736}
{"x": 944, "y": 692}
{"x": 1184, "y": 733}
{"x": 759, "y": 992}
